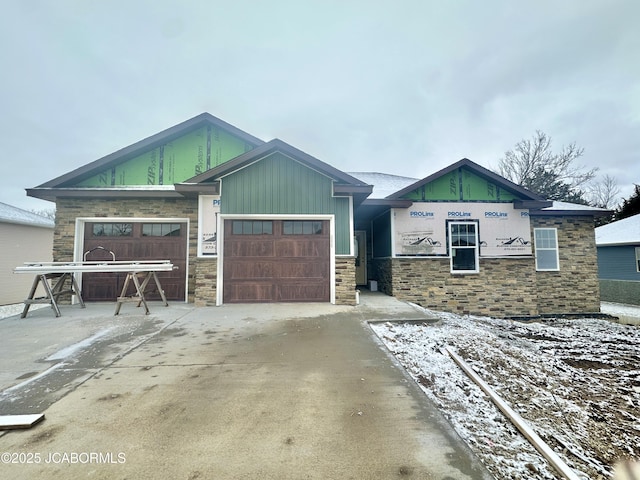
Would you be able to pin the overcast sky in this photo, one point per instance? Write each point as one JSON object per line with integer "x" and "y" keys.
{"x": 400, "y": 87}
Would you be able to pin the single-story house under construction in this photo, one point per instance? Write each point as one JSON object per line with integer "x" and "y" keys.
{"x": 245, "y": 220}
{"x": 618, "y": 246}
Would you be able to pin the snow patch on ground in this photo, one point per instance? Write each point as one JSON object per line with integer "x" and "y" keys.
{"x": 575, "y": 382}
{"x": 16, "y": 309}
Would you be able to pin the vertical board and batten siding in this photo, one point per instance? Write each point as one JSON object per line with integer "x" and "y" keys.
{"x": 279, "y": 185}
{"x": 618, "y": 263}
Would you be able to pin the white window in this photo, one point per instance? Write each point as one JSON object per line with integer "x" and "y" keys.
{"x": 637, "y": 259}
{"x": 463, "y": 247}
{"x": 546, "y": 245}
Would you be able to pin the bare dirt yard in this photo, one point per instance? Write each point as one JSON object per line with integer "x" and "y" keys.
{"x": 575, "y": 382}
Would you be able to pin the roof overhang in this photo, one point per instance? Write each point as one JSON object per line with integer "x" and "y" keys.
{"x": 549, "y": 212}
{"x": 51, "y": 194}
{"x": 372, "y": 208}
{"x": 195, "y": 189}
{"x": 618, "y": 244}
{"x": 531, "y": 204}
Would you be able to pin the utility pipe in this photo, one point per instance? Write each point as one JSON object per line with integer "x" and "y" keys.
{"x": 517, "y": 420}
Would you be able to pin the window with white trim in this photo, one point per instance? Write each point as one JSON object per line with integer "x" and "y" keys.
{"x": 637, "y": 259}
{"x": 546, "y": 248}
{"x": 463, "y": 247}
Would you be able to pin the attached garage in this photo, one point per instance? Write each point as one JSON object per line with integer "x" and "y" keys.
{"x": 276, "y": 261}
{"x": 135, "y": 241}
{"x": 243, "y": 220}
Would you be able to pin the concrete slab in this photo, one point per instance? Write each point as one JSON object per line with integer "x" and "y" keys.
{"x": 269, "y": 391}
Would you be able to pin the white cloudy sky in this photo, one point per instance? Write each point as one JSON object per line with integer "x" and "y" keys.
{"x": 396, "y": 86}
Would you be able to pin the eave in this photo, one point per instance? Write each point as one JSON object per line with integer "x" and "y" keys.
{"x": 564, "y": 213}
{"x": 195, "y": 189}
{"x": 51, "y": 194}
{"x": 531, "y": 204}
{"x": 372, "y": 208}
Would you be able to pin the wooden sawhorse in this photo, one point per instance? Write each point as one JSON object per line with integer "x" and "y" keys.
{"x": 52, "y": 292}
{"x": 140, "y": 288}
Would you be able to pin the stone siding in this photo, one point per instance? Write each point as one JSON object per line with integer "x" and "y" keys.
{"x": 575, "y": 288}
{"x": 504, "y": 286}
{"x": 345, "y": 281}
{"x": 206, "y": 281}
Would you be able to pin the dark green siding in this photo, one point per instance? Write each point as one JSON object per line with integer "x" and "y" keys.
{"x": 280, "y": 185}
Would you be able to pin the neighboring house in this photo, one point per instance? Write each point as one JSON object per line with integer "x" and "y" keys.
{"x": 24, "y": 237}
{"x": 252, "y": 221}
{"x": 618, "y": 246}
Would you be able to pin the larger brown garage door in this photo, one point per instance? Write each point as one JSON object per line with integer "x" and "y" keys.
{"x": 276, "y": 261}
{"x": 135, "y": 241}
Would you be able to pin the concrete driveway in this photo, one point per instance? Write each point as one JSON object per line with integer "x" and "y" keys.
{"x": 294, "y": 391}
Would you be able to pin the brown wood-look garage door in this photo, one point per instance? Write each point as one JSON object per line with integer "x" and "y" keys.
{"x": 135, "y": 241}
{"x": 276, "y": 261}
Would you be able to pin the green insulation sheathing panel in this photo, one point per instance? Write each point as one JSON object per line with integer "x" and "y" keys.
{"x": 174, "y": 161}
{"x": 461, "y": 185}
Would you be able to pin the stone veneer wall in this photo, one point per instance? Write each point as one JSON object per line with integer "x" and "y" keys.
{"x": 345, "y": 281}
{"x": 575, "y": 288}
{"x": 504, "y": 286}
{"x": 68, "y": 209}
{"x": 206, "y": 281}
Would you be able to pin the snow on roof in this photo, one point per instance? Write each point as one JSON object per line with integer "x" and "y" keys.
{"x": 9, "y": 214}
{"x": 383, "y": 183}
{"x": 563, "y": 206}
{"x": 622, "y": 232}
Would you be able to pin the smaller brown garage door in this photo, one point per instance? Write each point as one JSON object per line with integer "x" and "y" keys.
{"x": 276, "y": 261}
{"x": 130, "y": 242}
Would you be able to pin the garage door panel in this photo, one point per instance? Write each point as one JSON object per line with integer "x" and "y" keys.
{"x": 256, "y": 248}
{"x": 251, "y": 270}
{"x": 134, "y": 246}
{"x": 308, "y": 248}
{"x": 300, "y": 269}
{"x": 294, "y": 292}
{"x": 276, "y": 267}
{"x": 250, "y": 292}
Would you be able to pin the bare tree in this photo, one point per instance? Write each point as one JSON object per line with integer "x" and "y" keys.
{"x": 604, "y": 193}
{"x": 555, "y": 176}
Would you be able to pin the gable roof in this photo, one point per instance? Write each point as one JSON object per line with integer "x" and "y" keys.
{"x": 621, "y": 232}
{"x": 18, "y": 216}
{"x": 127, "y": 153}
{"x": 478, "y": 170}
{"x": 344, "y": 184}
